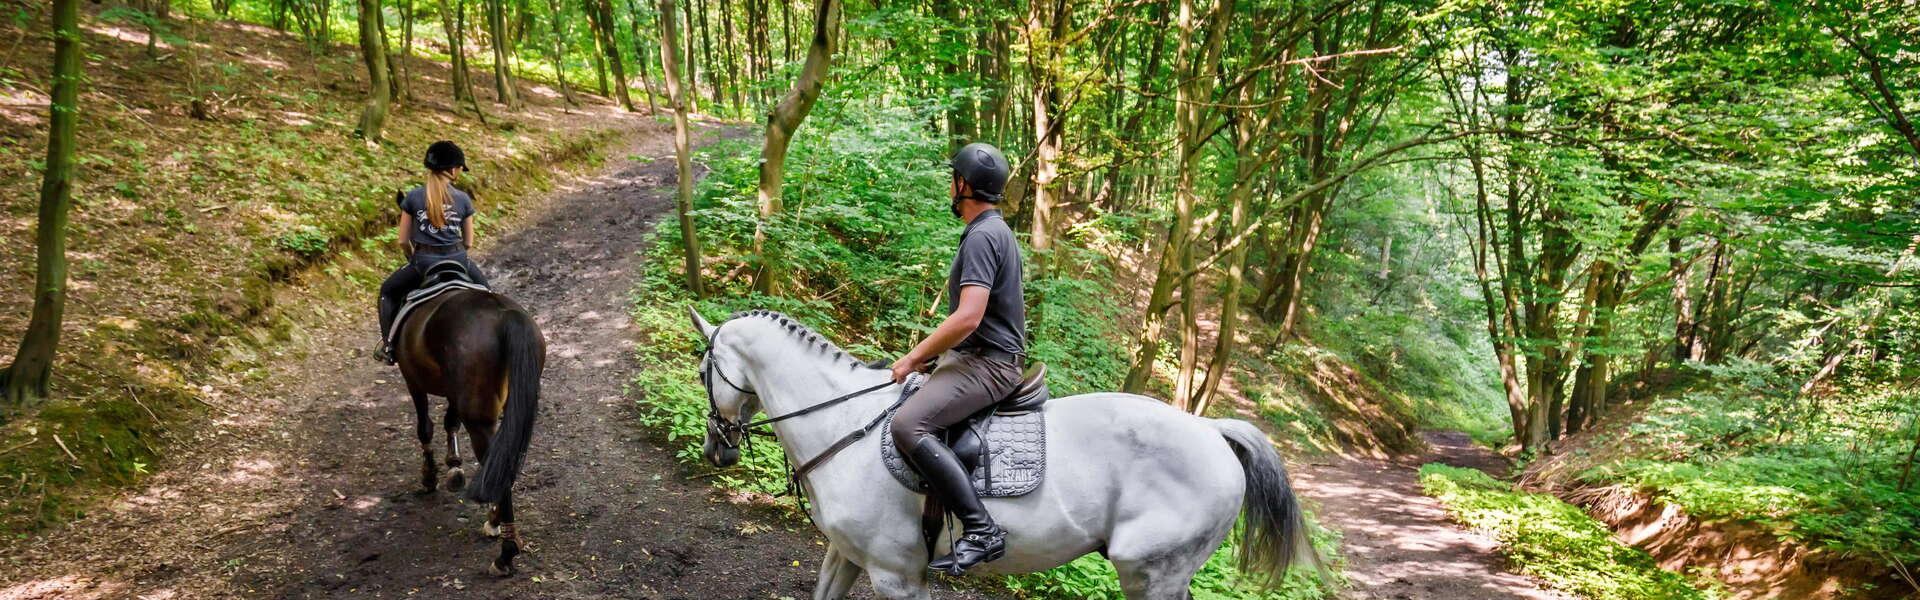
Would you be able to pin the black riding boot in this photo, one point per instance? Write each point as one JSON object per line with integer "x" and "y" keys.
{"x": 388, "y": 310}
{"x": 980, "y": 540}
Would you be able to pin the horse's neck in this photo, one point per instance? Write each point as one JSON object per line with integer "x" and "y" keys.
{"x": 791, "y": 377}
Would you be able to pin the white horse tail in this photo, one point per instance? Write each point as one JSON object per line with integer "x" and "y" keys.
{"x": 1273, "y": 532}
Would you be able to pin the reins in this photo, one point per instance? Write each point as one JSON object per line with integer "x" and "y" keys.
{"x": 726, "y": 427}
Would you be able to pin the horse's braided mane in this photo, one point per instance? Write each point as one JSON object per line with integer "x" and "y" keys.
{"x": 800, "y": 332}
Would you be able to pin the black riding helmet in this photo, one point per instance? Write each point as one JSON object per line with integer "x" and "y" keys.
{"x": 984, "y": 169}
{"x": 445, "y": 156}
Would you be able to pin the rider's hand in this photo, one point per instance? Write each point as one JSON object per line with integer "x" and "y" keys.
{"x": 906, "y": 366}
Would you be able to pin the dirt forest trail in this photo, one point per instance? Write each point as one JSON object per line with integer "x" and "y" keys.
{"x": 310, "y": 489}
{"x": 1398, "y": 542}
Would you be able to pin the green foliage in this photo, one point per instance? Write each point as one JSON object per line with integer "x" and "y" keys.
{"x": 303, "y": 239}
{"x": 1740, "y": 446}
{"x": 1555, "y": 541}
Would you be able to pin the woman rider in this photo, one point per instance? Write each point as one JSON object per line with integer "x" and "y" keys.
{"x": 436, "y": 224}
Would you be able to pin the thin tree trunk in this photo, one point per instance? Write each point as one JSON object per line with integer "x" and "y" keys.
{"x": 730, "y": 54}
{"x": 25, "y": 380}
{"x": 782, "y": 122}
{"x": 715, "y": 81}
{"x": 682, "y": 151}
{"x": 691, "y": 103}
{"x": 559, "y": 53}
{"x": 373, "y": 53}
{"x": 503, "y": 86}
{"x": 455, "y": 23}
{"x": 640, "y": 57}
{"x": 406, "y": 49}
{"x": 603, "y": 24}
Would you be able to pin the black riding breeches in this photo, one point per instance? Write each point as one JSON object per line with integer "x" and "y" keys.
{"x": 964, "y": 383}
{"x": 407, "y": 278}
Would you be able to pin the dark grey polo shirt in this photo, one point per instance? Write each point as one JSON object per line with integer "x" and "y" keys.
{"x": 989, "y": 257}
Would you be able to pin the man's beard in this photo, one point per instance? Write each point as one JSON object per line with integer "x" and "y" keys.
{"x": 954, "y": 207}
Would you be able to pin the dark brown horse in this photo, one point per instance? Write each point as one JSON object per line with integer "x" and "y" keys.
{"x": 484, "y": 354}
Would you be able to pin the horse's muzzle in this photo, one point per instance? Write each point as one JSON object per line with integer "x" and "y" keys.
{"x": 719, "y": 455}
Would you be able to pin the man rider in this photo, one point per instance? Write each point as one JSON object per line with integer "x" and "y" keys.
{"x": 981, "y": 345}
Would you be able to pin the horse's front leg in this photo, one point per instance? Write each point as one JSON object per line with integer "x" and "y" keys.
{"x": 423, "y": 427}
{"x": 837, "y": 575}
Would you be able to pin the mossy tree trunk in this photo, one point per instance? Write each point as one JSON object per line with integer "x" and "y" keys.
{"x": 373, "y": 52}
{"x": 782, "y": 122}
{"x": 689, "y": 237}
{"x": 26, "y": 379}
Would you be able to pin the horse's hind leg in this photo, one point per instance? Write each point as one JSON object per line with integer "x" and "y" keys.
{"x": 1163, "y": 579}
{"x": 456, "y": 477}
{"x": 837, "y": 576}
{"x": 509, "y": 537}
{"x": 423, "y": 426}
{"x": 479, "y": 434}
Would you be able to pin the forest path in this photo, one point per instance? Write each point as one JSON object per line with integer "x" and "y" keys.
{"x": 310, "y": 489}
{"x": 1398, "y": 542}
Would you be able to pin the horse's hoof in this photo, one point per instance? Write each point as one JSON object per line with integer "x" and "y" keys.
{"x": 500, "y": 568}
{"x": 456, "y": 479}
{"x": 489, "y": 529}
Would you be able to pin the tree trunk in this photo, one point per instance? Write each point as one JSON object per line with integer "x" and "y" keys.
{"x": 373, "y": 52}
{"x": 1046, "y": 22}
{"x": 730, "y": 54}
{"x": 455, "y": 23}
{"x": 25, "y": 381}
{"x": 405, "y": 74}
{"x": 1191, "y": 114}
{"x": 559, "y": 53}
{"x": 602, "y": 21}
{"x": 599, "y": 53}
{"x": 1682, "y": 304}
{"x": 714, "y": 79}
{"x": 782, "y": 122}
{"x": 503, "y": 87}
{"x": 691, "y": 103}
{"x": 640, "y": 57}
{"x": 682, "y": 151}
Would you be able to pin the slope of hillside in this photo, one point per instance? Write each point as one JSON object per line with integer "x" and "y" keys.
{"x": 182, "y": 228}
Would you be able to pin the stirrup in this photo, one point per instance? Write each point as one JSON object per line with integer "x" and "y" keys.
{"x": 384, "y": 354}
{"x": 979, "y": 547}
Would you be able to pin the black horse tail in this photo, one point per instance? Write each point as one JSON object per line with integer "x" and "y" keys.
{"x": 1274, "y": 531}
{"x": 525, "y": 355}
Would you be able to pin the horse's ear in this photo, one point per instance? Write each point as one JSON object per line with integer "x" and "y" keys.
{"x": 700, "y": 323}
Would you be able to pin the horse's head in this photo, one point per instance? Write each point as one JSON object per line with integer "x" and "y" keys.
{"x": 730, "y": 398}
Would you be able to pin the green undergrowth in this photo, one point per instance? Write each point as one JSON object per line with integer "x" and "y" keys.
{"x": 863, "y": 243}
{"x": 1555, "y": 541}
{"x": 1737, "y": 445}
{"x": 186, "y": 235}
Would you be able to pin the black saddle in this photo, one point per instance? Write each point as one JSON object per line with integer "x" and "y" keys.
{"x": 445, "y": 271}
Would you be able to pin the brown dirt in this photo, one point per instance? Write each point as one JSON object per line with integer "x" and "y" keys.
{"x": 1398, "y": 542}
{"x": 308, "y": 488}
{"x": 1753, "y": 562}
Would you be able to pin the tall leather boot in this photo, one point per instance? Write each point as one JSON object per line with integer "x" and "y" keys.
{"x": 388, "y": 310}
{"x": 980, "y": 540}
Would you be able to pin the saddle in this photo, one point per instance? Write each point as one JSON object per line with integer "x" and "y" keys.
{"x": 441, "y": 277}
{"x": 1003, "y": 445}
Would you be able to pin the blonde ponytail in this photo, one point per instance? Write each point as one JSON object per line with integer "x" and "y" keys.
{"x": 439, "y": 184}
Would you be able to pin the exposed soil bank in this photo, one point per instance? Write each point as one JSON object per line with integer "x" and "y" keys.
{"x": 1753, "y": 562}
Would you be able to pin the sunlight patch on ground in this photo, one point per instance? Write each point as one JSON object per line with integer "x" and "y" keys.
{"x": 70, "y": 587}
{"x": 124, "y": 34}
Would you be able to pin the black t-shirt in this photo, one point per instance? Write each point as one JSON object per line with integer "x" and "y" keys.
{"x": 989, "y": 257}
{"x": 414, "y": 202}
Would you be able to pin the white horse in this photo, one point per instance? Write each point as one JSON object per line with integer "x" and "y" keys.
{"x": 1153, "y": 489}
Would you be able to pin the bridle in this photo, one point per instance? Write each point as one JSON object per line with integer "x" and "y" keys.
{"x": 735, "y": 435}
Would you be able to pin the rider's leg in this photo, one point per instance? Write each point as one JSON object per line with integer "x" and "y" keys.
{"x": 964, "y": 384}
{"x": 473, "y": 271}
{"x": 392, "y": 293}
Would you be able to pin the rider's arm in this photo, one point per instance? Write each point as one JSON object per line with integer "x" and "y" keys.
{"x": 965, "y": 318}
{"x": 406, "y": 241}
{"x": 466, "y": 231}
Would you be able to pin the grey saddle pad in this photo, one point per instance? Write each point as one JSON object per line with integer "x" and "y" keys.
{"x": 421, "y": 296}
{"x": 1017, "y": 445}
